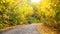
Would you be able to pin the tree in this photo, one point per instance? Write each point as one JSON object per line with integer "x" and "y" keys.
{"x": 5, "y": 12}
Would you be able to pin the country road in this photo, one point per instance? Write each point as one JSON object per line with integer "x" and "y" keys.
{"x": 27, "y": 29}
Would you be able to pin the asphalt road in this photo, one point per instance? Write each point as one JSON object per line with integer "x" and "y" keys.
{"x": 27, "y": 29}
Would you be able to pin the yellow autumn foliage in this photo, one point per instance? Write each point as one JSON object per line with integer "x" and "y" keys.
{"x": 14, "y": 12}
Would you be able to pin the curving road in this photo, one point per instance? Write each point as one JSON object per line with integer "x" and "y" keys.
{"x": 27, "y": 29}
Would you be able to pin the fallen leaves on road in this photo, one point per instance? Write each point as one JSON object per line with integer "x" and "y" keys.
{"x": 46, "y": 30}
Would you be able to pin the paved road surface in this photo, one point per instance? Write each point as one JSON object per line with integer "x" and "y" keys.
{"x": 27, "y": 29}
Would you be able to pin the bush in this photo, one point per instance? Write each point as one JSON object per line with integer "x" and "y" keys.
{"x": 52, "y": 15}
{"x": 1, "y": 25}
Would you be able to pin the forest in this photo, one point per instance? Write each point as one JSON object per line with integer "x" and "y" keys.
{"x": 19, "y": 12}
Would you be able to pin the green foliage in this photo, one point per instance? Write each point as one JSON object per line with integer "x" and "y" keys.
{"x": 32, "y": 20}
{"x": 1, "y": 25}
{"x": 13, "y": 19}
{"x": 58, "y": 16}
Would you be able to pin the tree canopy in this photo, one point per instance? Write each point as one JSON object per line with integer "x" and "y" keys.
{"x": 15, "y": 12}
